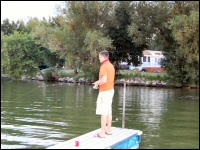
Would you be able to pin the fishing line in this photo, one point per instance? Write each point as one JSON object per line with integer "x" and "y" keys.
{"x": 34, "y": 89}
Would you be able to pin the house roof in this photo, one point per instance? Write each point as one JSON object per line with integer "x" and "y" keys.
{"x": 146, "y": 52}
{"x": 152, "y": 53}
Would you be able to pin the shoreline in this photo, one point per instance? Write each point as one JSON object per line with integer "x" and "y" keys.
{"x": 142, "y": 82}
{"x": 120, "y": 82}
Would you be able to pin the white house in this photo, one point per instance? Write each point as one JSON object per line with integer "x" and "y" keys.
{"x": 150, "y": 61}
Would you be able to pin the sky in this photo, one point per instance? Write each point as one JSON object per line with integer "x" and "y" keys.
{"x": 23, "y": 10}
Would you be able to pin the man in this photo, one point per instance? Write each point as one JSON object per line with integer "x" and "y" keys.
{"x": 106, "y": 93}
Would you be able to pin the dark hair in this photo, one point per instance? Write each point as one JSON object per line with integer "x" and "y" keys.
{"x": 104, "y": 53}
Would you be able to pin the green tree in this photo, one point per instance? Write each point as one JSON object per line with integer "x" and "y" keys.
{"x": 86, "y": 20}
{"x": 124, "y": 47}
{"x": 68, "y": 34}
{"x": 20, "y": 55}
{"x": 43, "y": 32}
{"x": 185, "y": 30}
{"x": 32, "y": 24}
{"x": 147, "y": 21}
{"x": 8, "y": 28}
{"x": 173, "y": 27}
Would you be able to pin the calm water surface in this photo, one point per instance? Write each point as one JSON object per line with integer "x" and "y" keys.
{"x": 36, "y": 115}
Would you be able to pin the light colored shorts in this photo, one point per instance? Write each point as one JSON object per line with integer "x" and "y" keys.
{"x": 104, "y": 102}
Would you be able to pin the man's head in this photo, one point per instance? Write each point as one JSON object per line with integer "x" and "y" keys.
{"x": 103, "y": 55}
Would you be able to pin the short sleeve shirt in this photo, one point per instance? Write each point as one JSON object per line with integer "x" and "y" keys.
{"x": 107, "y": 69}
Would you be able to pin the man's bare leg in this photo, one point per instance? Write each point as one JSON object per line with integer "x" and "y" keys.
{"x": 109, "y": 124}
{"x": 103, "y": 125}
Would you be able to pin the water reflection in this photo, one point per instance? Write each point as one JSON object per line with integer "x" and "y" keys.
{"x": 155, "y": 110}
{"x": 152, "y": 102}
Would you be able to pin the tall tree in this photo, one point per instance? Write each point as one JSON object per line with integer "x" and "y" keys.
{"x": 84, "y": 18}
{"x": 8, "y": 28}
{"x": 71, "y": 31}
{"x": 124, "y": 47}
{"x": 184, "y": 64}
{"x": 147, "y": 20}
{"x": 43, "y": 33}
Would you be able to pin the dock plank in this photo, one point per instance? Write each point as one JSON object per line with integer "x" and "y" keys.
{"x": 89, "y": 141}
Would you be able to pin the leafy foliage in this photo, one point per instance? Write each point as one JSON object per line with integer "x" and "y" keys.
{"x": 182, "y": 62}
{"x": 48, "y": 73}
{"x": 8, "y": 28}
{"x": 124, "y": 48}
{"x": 20, "y": 55}
{"x": 174, "y": 28}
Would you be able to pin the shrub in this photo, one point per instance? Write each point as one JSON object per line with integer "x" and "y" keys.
{"x": 48, "y": 73}
{"x": 79, "y": 75}
{"x": 63, "y": 73}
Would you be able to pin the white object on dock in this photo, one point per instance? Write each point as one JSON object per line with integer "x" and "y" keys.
{"x": 119, "y": 138}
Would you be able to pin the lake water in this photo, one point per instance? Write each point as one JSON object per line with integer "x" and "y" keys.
{"x": 36, "y": 115}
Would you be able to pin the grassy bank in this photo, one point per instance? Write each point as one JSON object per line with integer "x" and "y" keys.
{"x": 122, "y": 74}
{"x": 129, "y": 74}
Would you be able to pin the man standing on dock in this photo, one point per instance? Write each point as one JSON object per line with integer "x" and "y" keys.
{"x": 106, "y": 93}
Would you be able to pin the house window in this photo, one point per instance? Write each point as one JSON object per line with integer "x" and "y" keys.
{"x": 148, "y": 59}
{"x": 159, "y": 60}
{"x": 144, "y": 59}
{"x": 155, "y": 59}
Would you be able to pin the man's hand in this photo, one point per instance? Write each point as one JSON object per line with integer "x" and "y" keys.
{"x": 95, "y": 86}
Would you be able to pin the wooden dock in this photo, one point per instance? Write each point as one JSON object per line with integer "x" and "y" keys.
{"x": 89, "y": 141}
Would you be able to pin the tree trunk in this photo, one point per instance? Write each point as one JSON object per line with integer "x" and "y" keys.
{"x": 75, "y": 70}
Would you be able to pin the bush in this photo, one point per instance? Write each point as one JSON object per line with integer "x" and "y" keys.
{"x": 79, "y": 75}
{"x": 129, "y": 74}
{"x": 48, "y": 73}
{"x": 63, "y": 73}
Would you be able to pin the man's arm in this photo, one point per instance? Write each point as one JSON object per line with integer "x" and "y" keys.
{"x": 101, "y": 81}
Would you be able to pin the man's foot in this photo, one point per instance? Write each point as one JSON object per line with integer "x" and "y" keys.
{"x": 108, "y": 133}
{"x": 99, "y": 135}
